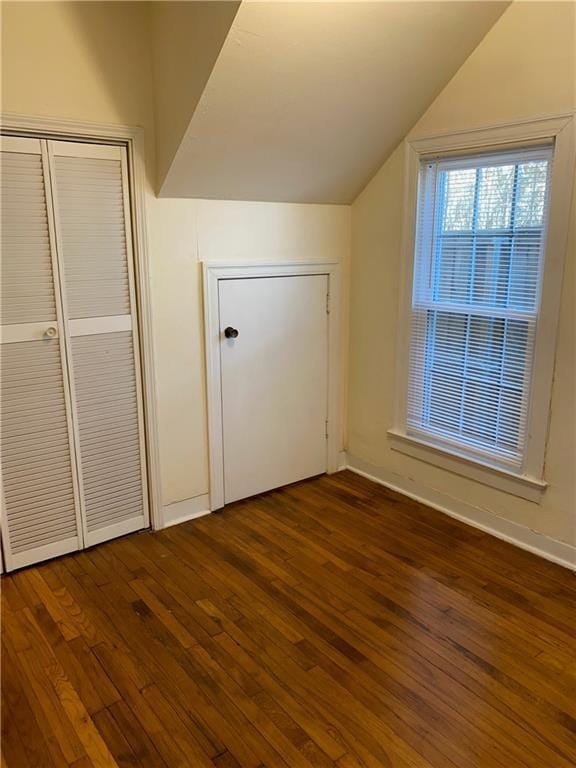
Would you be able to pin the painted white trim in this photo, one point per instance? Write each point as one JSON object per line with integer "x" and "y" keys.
{"x": 562, "y": 130}
{"x": 87, "y": 150}
{"x": 21, "y": 144}
{"x": 87, "y": 326}
{"x": 529, "y": 130}
{"x": 136, "y": 343}
{"x": 46, "y": 552}
{"x": 519, "y": 535}
{"x": 113, "y": 531}
{"x": 189, "y": 509}
{"x": 133, "y": 139}
{"x": 530, "y": 488}
{"x": 13, "y": 334}
{"x": 559, "y": 208}
{"x": 63, "y": 128}
{"x": 222, "y": 270}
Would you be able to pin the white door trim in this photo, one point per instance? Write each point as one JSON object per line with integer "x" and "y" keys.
{"x": 213, "y": 272}
{"x": 133, "y": 139}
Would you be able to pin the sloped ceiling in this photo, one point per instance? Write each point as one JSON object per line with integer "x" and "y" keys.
{"x": 307, "y": 99}
{"x": 186, "y": 40}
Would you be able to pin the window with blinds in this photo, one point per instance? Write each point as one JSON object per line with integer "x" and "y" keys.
{"x": 480, "y": 236}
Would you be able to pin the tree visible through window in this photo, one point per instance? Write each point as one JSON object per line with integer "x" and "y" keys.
{"x": 479, "y": 255}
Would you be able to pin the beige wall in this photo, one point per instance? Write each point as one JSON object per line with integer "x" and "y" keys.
{"x": 524, "y": 68}
{"x": 81, "y": 61}
{"x": 92, "y": 61}
{"x": 183, "y": 233}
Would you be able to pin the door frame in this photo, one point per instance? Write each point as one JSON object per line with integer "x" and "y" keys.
{"x": 213, "y": 272}
{"x": 12, "y": 124}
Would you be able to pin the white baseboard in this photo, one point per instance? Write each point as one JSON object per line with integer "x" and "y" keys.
{"x": 182, "y": 511}
{"x": 514, "y": 533}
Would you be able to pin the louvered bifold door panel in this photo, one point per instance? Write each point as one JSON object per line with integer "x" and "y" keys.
{"x": 94, "y": 237}
{"x": 40, "y": 510}
{"x": 27, "y": 282}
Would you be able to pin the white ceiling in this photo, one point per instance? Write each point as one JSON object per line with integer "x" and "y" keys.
{"x": 307, "y": 99}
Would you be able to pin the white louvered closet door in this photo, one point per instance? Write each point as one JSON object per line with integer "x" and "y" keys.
{"x": 40, "y": 510}
{"x": 90, "y": 188}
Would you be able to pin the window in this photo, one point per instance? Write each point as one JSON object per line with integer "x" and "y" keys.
{"x": 487, "y": 220}
{"x": 480, "y": 243}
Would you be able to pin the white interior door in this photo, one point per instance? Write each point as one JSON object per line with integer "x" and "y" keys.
{"x": 92, "y": 214}
{"x": 40, "y": 511}
{"x": 274, "y": 381}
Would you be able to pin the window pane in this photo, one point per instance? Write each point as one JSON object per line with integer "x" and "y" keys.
{"x": 446, "y": 350}
{"x": 511, "y": 432}
{"x": 480, "y": 413}
{"x": 525, "y": 270}
{"x": 500, "y": 269}
{"x": 485, "y": 349}
{"x": 491, "y": 277}
{"x": 445, "y": 389}
{"x": 515, "y": 354}
{"x": 454, "y": 269}
{"x": 446, "y": 341}
{"x": 459, "y": 193}
{"x": 476, "y": 374}
{"x": 495, "y": 196}
{"x": 532, "y": 178}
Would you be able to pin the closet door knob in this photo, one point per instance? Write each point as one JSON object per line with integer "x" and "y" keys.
{"x": 50, "y": 332}
{"x": 230, "y": 333}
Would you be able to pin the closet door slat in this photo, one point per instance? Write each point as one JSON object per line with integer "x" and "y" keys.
{"x": 94, "y": 235}
{"x": 34, "y": 480}
{"x": 40, "y": 512}
{"x": 115, "y": 446}
{"x": 90, "y": 212}
{"x": 27, "y": 292}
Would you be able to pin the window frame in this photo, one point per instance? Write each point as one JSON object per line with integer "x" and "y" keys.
{"x": 529, "y": 483}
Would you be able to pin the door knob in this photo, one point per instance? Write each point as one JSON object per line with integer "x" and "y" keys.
{"x": 50, "y": 332}
{"x": 230, "y": 333}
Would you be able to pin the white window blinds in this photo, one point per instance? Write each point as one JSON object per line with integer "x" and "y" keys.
{"x": 481, "y": 227}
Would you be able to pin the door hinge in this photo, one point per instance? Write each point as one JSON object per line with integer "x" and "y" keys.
{"x": 327, "y": 302}
{"x": 326, "y": 425}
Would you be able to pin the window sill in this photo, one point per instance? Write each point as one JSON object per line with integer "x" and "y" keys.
{"x": 526, "y": 487}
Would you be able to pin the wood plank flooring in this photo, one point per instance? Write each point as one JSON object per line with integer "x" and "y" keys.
{"x": 330, "y": 623}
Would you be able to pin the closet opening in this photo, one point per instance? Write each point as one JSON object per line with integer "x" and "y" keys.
{"x": 73, "y": 395}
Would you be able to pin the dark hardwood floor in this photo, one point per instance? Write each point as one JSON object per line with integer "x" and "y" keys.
{"x": 328, "y": 623}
